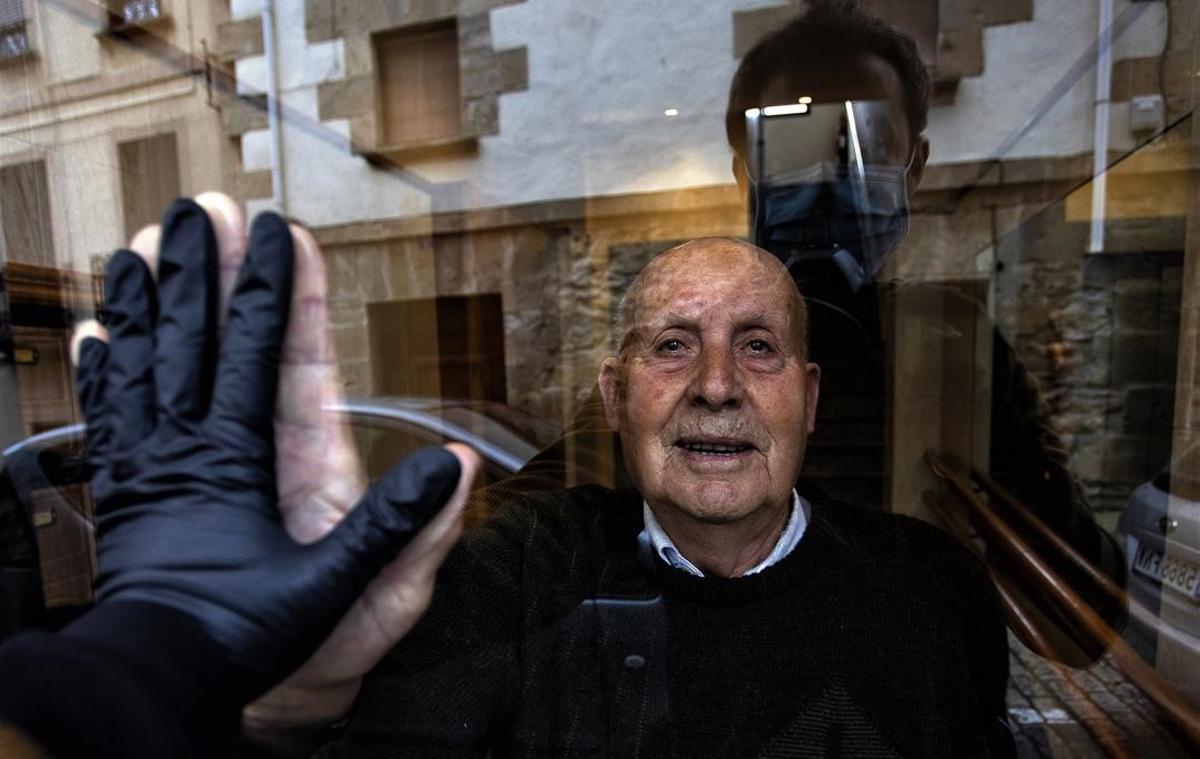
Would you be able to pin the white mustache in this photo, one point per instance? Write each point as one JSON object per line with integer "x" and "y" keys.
{"x": 716, "y": 427}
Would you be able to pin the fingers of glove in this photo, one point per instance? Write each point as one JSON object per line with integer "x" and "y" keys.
{"x": 229, "y": 227}
{"x": 89, "y": 353}
{"x": 131, "y": 308}
{"x": 185, "y": 335}
{"x": 391, "y": 513}
{"x": 393, "y": 601}
{"x": 248, "y": 373}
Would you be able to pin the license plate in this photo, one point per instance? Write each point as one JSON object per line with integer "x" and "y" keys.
{"x": 1173, "y": 572}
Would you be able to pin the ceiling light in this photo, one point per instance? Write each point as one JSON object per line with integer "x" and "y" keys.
{"x": 784, "y": 110}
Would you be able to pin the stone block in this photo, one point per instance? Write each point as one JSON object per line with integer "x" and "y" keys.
{"x": 342, "y": 275}
{"x": 481, "y": 116}
{"x": 1184, "y": 16}
{"x": 1135, "y": 76}
{"x": 513, "y": 65}
{"x": 1087, "y": 458}
{"x": 1136, "y": 266}
{"x": 468, "y": 7}
{"x": 239, "y": 39}
{"x": 958, "y": 175}
{"x": 1125, "y": 461}
{"x": 942, "y": 247}
{"x": 959, "y": 53}
{"x": 344, "y": 312}
{"x": 320, "y": 20}
{"x": 1098, "y": 273}
{"x": 350, "y": 343}
{"x": 942, "y": 94}
{"x": 1095, "y": 361}
{"x": 956, "y": 14}
{"x": 356, "y": 377}
{"x": 1147, "y": 410}
{"x": 364, "y": 132}
{"x": 1178, "y": 69}
{"x": 1045, "y": 237}
{"x": 418, "y": 12}
{"x": 1036, "y": 170}
{"x": 1007, "y": 12}
{"x": 1133, "y": 358}
{"x": 372, "y": 269}
{"x": 243, "y": 114}
{"x": 345, "y": 98}
{"x": 474, "y": 34}
{"x": 359, "y": 55}
{"x": 479, "y": 74}
{"x": 252, "y": 184}
{"x": 1137, "y": 304}
{"x": 1087, "y": 413}
{"x": 354, "y": 17}
{"x": 410, "y": 269}
{"x": 1149, "y": 234}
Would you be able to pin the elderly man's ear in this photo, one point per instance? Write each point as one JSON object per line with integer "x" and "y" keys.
{"x": 611, "y": 392}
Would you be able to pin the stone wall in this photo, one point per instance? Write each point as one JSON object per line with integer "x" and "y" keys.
{"x": 1100, "y": 332}
{"x": 557, "y": 268}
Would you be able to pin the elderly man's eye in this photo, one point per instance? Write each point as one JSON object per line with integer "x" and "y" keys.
{"x": 759, "y": 346}
{"x": 670, "y": 346}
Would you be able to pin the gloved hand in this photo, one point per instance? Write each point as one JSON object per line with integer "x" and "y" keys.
{"x": 204, "y": 600}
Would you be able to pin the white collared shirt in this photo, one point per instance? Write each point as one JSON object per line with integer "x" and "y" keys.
{"x": 657, "y": 539}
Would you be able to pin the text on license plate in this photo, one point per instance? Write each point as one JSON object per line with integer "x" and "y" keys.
{"x": 1173, "y": 572}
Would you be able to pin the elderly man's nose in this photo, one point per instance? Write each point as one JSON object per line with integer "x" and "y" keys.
{"x": 718, "y": 382}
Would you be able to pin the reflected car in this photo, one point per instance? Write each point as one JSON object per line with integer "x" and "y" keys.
{"x": 44, "y": 499}
{"x": 1160, "y": 533}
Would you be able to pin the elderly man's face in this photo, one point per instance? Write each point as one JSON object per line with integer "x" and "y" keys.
{"x": 711, "y": 394}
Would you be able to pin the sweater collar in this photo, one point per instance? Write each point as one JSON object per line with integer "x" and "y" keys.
{"x": 655, "y": 539}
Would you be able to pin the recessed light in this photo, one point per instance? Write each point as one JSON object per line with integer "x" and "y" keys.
{"x": 785, "y": 110}
{"x": 805, "y": 100}
{"x": 671, "y": 112}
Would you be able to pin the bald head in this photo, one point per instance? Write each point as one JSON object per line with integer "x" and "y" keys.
{"x": 707, "y": 258}
{"x": 713, "y": 396}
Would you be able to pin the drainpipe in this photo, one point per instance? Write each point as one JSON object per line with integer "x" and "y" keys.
{"x": 1100, "y": 128}
{"x": 274, "y": 125}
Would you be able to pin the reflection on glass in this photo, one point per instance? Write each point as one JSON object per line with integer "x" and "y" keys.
{"x": 486, "y": 180}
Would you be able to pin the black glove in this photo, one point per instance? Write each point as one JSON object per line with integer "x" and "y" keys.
{"x": 204, "y": 601}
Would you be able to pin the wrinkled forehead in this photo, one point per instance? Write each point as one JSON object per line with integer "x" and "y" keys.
{"x": 714, "y": 286}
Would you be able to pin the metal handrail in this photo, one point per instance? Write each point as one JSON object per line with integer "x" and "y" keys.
{"x": 1033, "y": 520}
{"x": 1177, "y": 707}
{"x": 1025, "y": 628}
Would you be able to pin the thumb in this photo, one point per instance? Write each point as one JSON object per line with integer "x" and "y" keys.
{"x": 390, "y": 514}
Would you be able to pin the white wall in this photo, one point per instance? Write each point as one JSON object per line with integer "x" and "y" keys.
{"x": 1023, "y": 63}
{"x": 601, "y": 74}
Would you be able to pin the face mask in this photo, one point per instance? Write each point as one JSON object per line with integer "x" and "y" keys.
{"x": 828, "y": 213}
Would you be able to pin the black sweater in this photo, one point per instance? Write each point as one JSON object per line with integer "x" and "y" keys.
{"x": 551, "y": 634}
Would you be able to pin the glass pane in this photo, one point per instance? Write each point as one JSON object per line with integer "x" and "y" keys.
{"x": 987, "y": 209}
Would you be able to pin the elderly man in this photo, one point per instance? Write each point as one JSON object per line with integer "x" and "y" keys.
{"x": 713, "y": 610}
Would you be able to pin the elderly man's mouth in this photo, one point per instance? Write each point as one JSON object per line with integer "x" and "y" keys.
{"x": 714, "y": 453}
